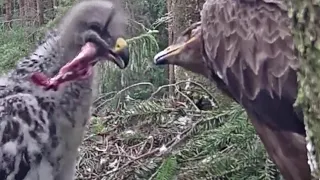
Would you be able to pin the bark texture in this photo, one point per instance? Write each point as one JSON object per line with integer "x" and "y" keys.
{"x": 184, "y": 13}
{"x": 306, "y": 29}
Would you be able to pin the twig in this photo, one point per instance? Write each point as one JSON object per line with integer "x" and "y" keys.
{"x": 170, "y": 144}
{"x": 123, "y": 90}
{"x": 155, "y": 173}
{"x": 160, "y": 88}
{"x": 147, "y": 34}
{"x": 131, "y": 156}
{"x": 203, "y": 88}
{"x": 184, "y": 95}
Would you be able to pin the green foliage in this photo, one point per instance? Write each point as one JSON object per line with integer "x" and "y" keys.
{"x": 141, "y": 69}
{"x": 142, "y": 49}
{"x": 167, "y": 171}
{"x": 231, "y": 151}
{"x": 14, "y": 44}
{"x": 148, "y": 14}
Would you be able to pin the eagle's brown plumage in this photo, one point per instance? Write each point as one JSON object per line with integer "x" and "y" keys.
{"x": 247, "y": 48}
{"x": 251, "y": 41}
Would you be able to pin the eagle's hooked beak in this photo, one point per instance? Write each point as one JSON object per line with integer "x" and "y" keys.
{"x": 120, "y": 53}
{"x": 162, "y": 57}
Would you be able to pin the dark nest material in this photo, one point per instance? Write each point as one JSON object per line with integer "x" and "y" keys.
{"x": 131, "y": 140}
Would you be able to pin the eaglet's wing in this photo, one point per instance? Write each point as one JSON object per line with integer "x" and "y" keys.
{"x": 24, "y": 137}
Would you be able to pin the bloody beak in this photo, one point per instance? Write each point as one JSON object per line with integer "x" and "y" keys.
{"x": 79, "y": 68}
{"x": 84, "y": 58}
{"x": 119, "y": 54}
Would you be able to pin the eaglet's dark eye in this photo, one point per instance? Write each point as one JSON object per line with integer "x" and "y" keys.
{"x": 96, "y": 27}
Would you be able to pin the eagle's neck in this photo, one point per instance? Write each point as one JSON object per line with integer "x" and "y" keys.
{"x": 48, "y": 58}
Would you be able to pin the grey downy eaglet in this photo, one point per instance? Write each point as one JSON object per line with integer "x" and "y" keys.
{"x": 42, "y": 129}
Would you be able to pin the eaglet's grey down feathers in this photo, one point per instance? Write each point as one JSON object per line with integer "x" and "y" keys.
{"x": 41, "y": 131}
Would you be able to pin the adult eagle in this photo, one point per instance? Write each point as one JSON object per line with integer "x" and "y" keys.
{"x": 246, "y": 47}
{"x": 41, "y": 130}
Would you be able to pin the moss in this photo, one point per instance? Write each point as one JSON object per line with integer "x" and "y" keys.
{"x": 306, "y": 30}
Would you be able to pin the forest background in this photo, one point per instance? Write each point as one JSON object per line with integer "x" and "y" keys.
{"x": 149, "y": 122}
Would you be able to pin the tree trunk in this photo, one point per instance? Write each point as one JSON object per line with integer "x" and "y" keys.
{"x": 184, "y": 13}
{"x": 30, "y": 12}
{"x": 21, "y": 8}
{"x": 40, "y": 12}
{"x": 1, "y": 9}
{"x": 171, "y": 75}
{"x": 49, "y": 7}
{"x": 306, "y": 29}
{"x": 8, "y": 15}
